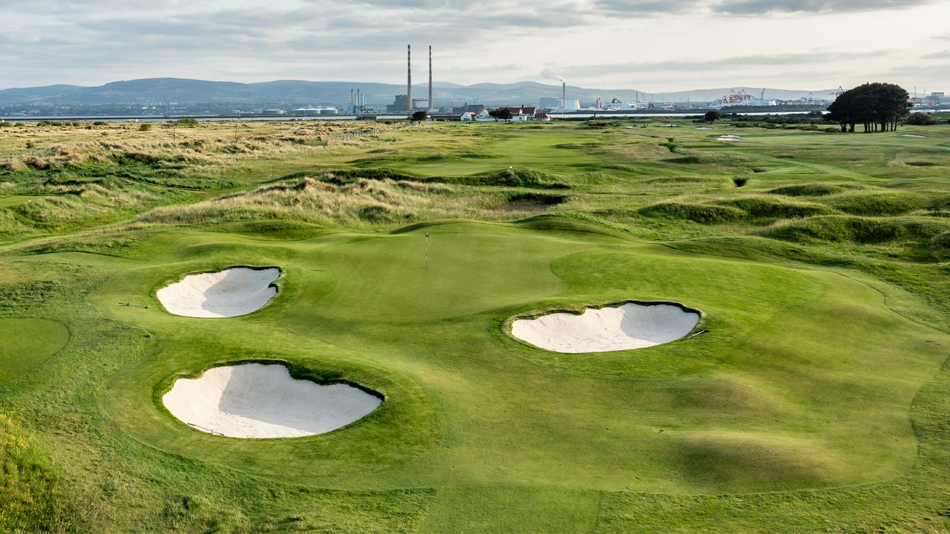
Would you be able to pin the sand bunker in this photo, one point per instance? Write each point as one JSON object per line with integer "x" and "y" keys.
{"x": 227, "y": 293}
{"x": 917, "y": 136}
{"x": 630, "y": 326}
{"x": 263, "y": 401}
{"x": 729, "y": 138}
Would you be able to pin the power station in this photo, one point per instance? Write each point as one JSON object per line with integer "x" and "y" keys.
{"x": 405, "y": 103}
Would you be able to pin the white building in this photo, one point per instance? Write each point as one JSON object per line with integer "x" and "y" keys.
{"x": 569, "y": 106}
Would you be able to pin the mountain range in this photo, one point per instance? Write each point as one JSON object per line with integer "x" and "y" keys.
{"x": 297, "y": 92}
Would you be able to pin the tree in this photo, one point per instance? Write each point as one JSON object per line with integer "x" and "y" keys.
{"x": 878, "y": 106}
{"x": 419, "y": 116}
{"x": 712, "y": 116}
{"x": 500, "y": 114}
{"x": 921, "y": 119}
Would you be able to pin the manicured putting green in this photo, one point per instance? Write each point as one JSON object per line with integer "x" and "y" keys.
{"x": 6, "y": 202}
{"x": 27, "y": 343}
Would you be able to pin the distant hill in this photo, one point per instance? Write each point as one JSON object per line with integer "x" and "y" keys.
{"x": 297, "y": 92}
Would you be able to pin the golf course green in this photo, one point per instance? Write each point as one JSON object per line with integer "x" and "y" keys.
{"x": 812, "y": 394}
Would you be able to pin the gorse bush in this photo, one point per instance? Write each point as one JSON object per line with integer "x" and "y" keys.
{"x": 921, "y": 119}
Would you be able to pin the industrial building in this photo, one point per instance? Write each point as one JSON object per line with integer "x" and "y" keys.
{"x": 402, "y": 104}
{"x": 308, "y": 111}
{"x": 470, "y": 108}
{"x": 405, "y": 103}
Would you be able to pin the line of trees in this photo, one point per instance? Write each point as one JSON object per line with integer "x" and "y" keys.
{"x": 878, "y": 106}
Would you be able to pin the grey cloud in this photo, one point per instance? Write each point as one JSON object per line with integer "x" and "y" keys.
{"x": 718, "y": 64}
{"x": 646, "y": 7}
{"x": 759, "y": 7}
{"x": 938, "y": 55}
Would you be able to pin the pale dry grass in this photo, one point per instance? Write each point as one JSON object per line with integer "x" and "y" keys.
{"x": 358, "y": 204}
{"x": 209, "y": 144}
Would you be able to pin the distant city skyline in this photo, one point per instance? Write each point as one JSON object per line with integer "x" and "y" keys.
{"x": 652, "y": 46}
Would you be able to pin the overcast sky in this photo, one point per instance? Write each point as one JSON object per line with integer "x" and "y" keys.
{"x": 650, "y": 45}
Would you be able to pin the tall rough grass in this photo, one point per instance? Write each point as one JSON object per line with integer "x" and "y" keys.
{"x": 31, "y": 493}
{"x": 357, "y": 204}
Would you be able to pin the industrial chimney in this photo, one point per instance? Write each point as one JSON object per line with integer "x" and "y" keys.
{"x": 431, "y": 106}
{"x": 409, "y": 77}
{"x": 564, "y": 95}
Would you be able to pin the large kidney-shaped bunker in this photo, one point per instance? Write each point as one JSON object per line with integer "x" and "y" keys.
{"x": 256, "y": 400}
{"x": 228, "y": 293}
{"x": 629, "y": 326}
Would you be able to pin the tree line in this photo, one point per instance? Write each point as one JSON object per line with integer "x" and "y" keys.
{"x": 879, "y": 107}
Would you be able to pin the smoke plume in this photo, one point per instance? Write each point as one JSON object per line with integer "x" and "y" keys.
{"x": 550, "y": 75}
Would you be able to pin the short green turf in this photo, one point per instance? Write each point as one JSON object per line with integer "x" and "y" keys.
{"x": 28, "y": 343}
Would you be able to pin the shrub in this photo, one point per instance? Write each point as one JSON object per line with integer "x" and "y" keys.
{"x": 185, "y": 123}
{"x": 145, "y": 127}
{"x": 921, "y": 119}
{"x": 100, "y": 123}
{"x": 30, "y": 145}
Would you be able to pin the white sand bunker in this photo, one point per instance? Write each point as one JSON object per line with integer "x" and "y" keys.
{"x": 263, "y": 401}
{"x": 729, "y": 138}
{"x": 630, "y": 326}
{"x": 228, "y": 293}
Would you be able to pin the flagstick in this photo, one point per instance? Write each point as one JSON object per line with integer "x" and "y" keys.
{"x": 427, "y": 250}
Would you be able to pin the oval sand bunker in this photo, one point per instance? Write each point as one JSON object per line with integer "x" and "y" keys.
{"x": 630, "y": 326}
{"x": 256, "y": 400}
{"x": 227, "y": 293}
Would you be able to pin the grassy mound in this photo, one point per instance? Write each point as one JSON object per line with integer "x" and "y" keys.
{"x": 530, "y": 202}
{"x": 807, "y": 190}
{"x": 876, "y": 204}
{"x": 774, "y": 208}
{"x": 699, "y": 213}
{"x": 837, "y": 228}
{"x": 508, "y": 178}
